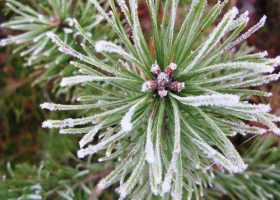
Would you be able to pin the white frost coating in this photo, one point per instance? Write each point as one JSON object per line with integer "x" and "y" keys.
{"x": 147, "y": 86}
{"x": 36, "y": 187}
{"x": 20, "y": 41}
{"x": 251, "y": 109}
{"x": 231, "y": 168}
{"x": 32, "y": 196}
{"x": 214, "y": 100}
{"x": 71, "y": 21}
{"x": 273, "y": 62}
{"x": 246, "y": 128}
{"x": 268, "y": 123}
{"x": 101, "y": 185}
{"x": 162, "y": 93}
{"x": 154, "y": 191}
{"x": 125, "y": 10}
{"x": 89, "y": 136}
{"x": 269, "y": 78}
{"x": 263, "y": 54}
{"x": 155, "y": 67}
{"x": 91, "y": 149}
{"x": 166, "y": 185}
{"x": 225, "y": 78}
{"x": 67, "y": 30}
{"x": 173, "y": 66}
{"x": 82, "y": 121}
{"x": 108, "y": 153}
{"x": 258, "y": 67}
{"x": 152, "y": 180}
{"x": 3, "y": 42}
{"x": 272, "y": 118}
{"x": 106, "y": 182}
{"x": 254, "y": 56}
{"x": 73, "y": 131}
{"x": 158, "y": 171}
{"x": 150, "y": 154}
{"x": 150, "y": 157}
{"x": 49, "y": 106}
{"x": 163, "y": 77}
{"x": 88, "y": 151}
{"x": 63, "y": 47}
{"x": 126, "y": 120}
{"x": 84, "y": 78}
{"x": 207, "y": 149}
{"x": 58, "y": 123}
{"x": 236, "y": 23}
{"x": 248, "y": 33}
{"x": 223, "y": 4}
{"x": 42, "y": 19}
{"x": 254, "y": 82}
{"x": 75, "y": 79}
{"x": 109, "y": 47}
{"x": 89, "y": 34}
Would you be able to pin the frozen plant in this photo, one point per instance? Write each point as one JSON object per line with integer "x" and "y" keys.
{"x": 162, "y": 111}
{"x": 55, "y": 16}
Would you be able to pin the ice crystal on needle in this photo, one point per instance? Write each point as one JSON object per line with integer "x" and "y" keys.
{"x": 166, "y": 110}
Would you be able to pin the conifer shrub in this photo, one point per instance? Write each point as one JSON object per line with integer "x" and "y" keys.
{"x": 164, "y": 113}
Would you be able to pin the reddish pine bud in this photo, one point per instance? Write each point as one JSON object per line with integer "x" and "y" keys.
{"x": 163, "y": 79}
{"x": 176, "y": 86}
{"x": 170, "y": 69}
{"x": 162, "y": 92}
{"x": 149, "y": 86}
{"x": 155, "y": 69}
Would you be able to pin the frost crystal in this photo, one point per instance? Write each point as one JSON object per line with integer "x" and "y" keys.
{"x": 213, "y": 100}
{"x": 50, "y": 106}
{"x": 126, "y": 120}
{"x": 166, "y": 185}
{"x": 63, "y": 47}
{"x": 108, "y": 46}
{"x": 150, "y": 154}
{"x": 58, "y": 124}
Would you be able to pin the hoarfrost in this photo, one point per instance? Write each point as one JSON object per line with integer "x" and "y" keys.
{"x": 214, "y": 100}
{"x": 126, "y": 120}
{"x": 58, "y": 123}
{"x": 109, "y": 47}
